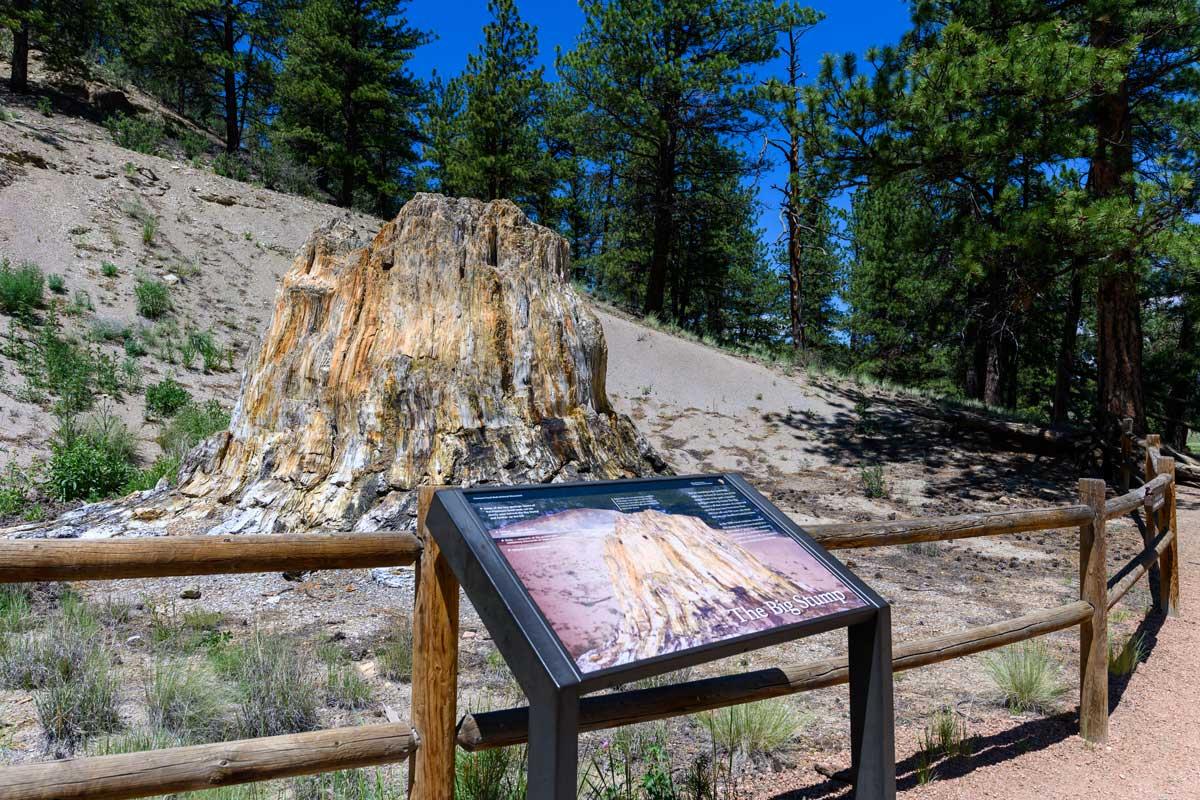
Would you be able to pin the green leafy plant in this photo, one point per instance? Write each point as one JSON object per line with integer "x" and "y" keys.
{"x": 496, "y": 774}
{"x": 143, "y": 133}
{"x": 108, "y": 269}
{"x": 153, "y": 298}
{"x": 873, "y": 483}
{"x": 231, "y": 165}
{"x": 56, "y": 283}
{"x": 92, "y": 461}
{"x": 21, "y": 288}
{"x": 149, "y": 229}
{"x": 44, "y": 106}
{"x": 165, "y": 398}
{"x": 1027, "y": 675}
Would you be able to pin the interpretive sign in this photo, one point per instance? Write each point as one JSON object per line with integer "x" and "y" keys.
{"x": 628, "y": 573}
{"x": 586, "y": 585}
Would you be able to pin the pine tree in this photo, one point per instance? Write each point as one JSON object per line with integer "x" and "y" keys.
{"x": 660, "y": 80}
{"x": 347, "y": 102}
{"x": 487, "y": 123}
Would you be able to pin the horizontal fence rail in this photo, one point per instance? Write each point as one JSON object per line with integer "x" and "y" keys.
{"x": 490, "y": 729}
{"x": 1148, "y": 495}
{"x": 24, "y": 560}
{"x": 207, "y": 766}
{"x": 1120, "y": 583}
{"x": 844, "y": 536}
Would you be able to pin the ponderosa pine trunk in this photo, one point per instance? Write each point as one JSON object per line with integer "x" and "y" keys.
{"x": 19, "y": 76}
{"x": 1176, "y": 429}
{"x": 233, "y": 128}
{"x": 1118, "y": 303}
{"x": 1067, "y": 343}
{"x": 664, "y": 224}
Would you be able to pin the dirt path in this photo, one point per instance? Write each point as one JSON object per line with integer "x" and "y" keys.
{"x": 1153, "y": 749}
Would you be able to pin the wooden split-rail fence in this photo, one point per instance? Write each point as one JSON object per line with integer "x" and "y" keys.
{"x": 430, "y": 741}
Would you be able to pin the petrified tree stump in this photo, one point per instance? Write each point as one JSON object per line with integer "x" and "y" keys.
{"x": 451, "y": 349}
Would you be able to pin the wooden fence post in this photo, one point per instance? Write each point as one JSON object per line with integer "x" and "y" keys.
{"x": 1152, "y": 468}
{"x": 1093, "y": 632}
{"x": 435, "y": 667}
{"x": 1168, "y": 562}
{"x": 1126, "y": 453}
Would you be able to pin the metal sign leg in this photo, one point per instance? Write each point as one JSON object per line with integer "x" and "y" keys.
{"x": 872, "y": 725}
{"x": 553, "y": 745}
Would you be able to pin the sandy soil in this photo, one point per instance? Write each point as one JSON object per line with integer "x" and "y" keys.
{"x": 1153, "y": 748}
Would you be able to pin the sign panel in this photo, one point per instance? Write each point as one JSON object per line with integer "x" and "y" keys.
{"x": 623, "y": 572}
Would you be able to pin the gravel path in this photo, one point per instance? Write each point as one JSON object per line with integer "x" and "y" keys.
{"x": 1153, "y": 749}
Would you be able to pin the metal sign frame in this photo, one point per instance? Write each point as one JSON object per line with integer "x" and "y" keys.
{"x": 553, "y": 682}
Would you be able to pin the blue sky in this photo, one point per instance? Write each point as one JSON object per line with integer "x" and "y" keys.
{"x": 848, "y": 26}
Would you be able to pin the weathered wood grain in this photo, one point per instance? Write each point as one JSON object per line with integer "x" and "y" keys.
{"x": 511, "y": 726}
{"x": 1093, "y": 631}
{"x": 24, "y": 560}
{"x": 1136, "y": 498}
{"x": 435, "y": 666}
{"x": 844, "y": 536}
{"x": 1168, "y": 561}
{"x": 183, "y": 769}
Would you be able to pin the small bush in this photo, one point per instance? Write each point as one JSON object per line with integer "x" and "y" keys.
{"x": 21, "y": 288}
{"x": 143, "y": 133}
{"x": 81, "y": 303}
{"x": 44, "y": 106}
{"x": 946, "y": 736}
{"x": 108, "y": 269}
{"x": 194, "y": 144}
{"x": 166, "y": 397}
{"x": 186, "y": 701}
{"x": 231, "y": 165}
{"x": 396, "y": 653}
{"x": 16, "y": 614}
{"x": 752, "y": 728}
{"x": 104, "y": 329}
{"x": 874, "y": 485}
{"x": 1027, "y": 675}
{"x": 1124, "y": 661}
{"x": 91, "y": 462}
{"x": 276, "y": 687}
{"x": 191, "y": 425}
{"x": 153, "y": 298}
{"x": 56, "y": 283}
{"x": 16, "y": 488}
{"x": 74, "y": 708}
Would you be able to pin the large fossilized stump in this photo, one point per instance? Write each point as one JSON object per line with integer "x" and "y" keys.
{"x": 451, "y": 349}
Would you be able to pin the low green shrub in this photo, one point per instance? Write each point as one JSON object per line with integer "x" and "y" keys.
{"x": 496, "y": 774}
{"x": 56, "y": 283}
{"x": 108, "y": 269}
{"x": 22, "y": 288}
{"x": 873, "y": 483}
{"x": 194, "y": 144}
{"x": 144, "y": 133}
{"x": 1027, "y": 675}
{"x": 166, "y": 397}
{"x": 92, "y": 461}
{"x": 231, "y": 165}
{"x": 149, "y": 229}
{"x": 70, "y": 711}
{"x": 153, "y": 298}
{"x": 105, "y": 329}
{"x": 345, "y": 688}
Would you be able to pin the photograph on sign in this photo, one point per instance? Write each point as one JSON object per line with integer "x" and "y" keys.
{"x": 623, "y": 576}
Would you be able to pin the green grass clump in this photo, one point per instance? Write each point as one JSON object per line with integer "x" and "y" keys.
{"x": 108, "y": 330}
{"x": 1027, "y": 675}
{"x": 165, "y": 398}
{"x": 344, "y": 687}
{"x": 204, "y": 345}
{"x": 355, "y": 784}
{"x": 16, "y": 613}
{"x": 56, "y": 283}
{"x": 153, "y": 298}
{"x": 143, "y": 133}
{"x": 22, "y": 288}
{"x": 192, "y": 424}
{"x": 72, "y": 710}
{"x": 277, "y": 692}
{"x": 149, "y": 229}
{"x": 757, "y": 728}
{"x": 873, "y": 483}
{"x": 186, "y": 701}
{"x": 395, "y": 654}
{"x": 1124, "y": 661}
{"x": 496, "y": 774}
{"x": 108, "y": 269}
{"x": 92, "y": 461}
